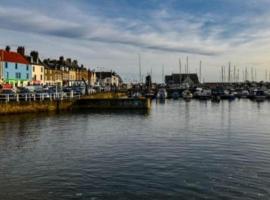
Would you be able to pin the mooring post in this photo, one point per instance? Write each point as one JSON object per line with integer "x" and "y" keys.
{"x": 7, "y": 98}
{"x": 71, "y": 94}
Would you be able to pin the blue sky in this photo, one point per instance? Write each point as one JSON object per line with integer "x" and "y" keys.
{"x": 111, "y": 33}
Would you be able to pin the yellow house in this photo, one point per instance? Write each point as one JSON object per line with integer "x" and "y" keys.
{"x": 38, "y": 77}
{"x": 37, "y": 68}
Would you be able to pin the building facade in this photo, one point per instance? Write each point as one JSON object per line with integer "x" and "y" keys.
{"x": 108, "y": 78}
{"x": 15, "y": 69}
{"x": 37, "y": 67}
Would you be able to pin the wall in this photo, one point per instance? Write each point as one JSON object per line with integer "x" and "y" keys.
{"x": 34, "y": 106}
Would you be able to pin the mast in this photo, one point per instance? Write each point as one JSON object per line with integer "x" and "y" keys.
{"x": 237, "y": 74}
{"x": 163, "y": 73}
{"x": 252, "y": 74}
{"x": 140, "y": 68}
{"x": 221, "y": 73}
{"x": 229, "y": 73}
{"x": 180, "y": 69}
{"x": 187, "y": 65}
{"x": 200, "y": 71}
{"x": 234, "y": 73}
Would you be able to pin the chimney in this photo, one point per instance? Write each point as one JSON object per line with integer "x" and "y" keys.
{"x": 21, "y": 50}
{"x": 7, "y": 48}
{"x": 61, "y": 59}
{"x": 34, "y": 56}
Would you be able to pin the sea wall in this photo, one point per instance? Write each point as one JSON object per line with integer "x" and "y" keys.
{"x": 101, "y": 101}
{"x": 111, "y": 103}
{"x": 34, "y": 106}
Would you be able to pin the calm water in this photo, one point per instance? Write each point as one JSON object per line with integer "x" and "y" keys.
{"x": 180, "y": 150}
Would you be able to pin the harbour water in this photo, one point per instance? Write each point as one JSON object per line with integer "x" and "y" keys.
{"x": 179, "y": 150}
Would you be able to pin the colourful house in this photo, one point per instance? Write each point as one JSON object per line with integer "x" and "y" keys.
{"x": 14, "y": 68}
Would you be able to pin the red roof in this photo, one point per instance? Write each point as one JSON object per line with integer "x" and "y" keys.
{"x": 9, "y": 56}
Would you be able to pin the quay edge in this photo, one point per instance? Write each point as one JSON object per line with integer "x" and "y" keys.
{"x": 113, "y": 103}
{"x": 72, "y": 104}
{"x": 35, "y": 106}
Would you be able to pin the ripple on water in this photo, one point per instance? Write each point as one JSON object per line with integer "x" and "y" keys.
{"x": 179, "y": 150}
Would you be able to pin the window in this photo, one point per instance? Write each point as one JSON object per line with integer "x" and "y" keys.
{"x": 33, "y": 68}
{"x": 16, "y": 65}
{"x": 6, "y": 65}
{"x": 27, "y": 68}
{"x": 18, "y": 75}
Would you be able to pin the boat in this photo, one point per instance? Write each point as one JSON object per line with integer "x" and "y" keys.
{"x": 267, "y": 94}
{"x": 187, "y": 95}
{"x": 205, "y": 94}
{"x": 260, "y": 96}
{"x": 175, "y": 95}
{"x": 150, "y": 95}
{"x": 162, "y": 93}
{"x": 244, "y": 94}
{"x": 137, "y": 95}
{"x": 229, "y": 95}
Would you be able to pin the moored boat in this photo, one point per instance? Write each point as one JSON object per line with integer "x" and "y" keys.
{"x": 162, "y": 93}
{"x": 187, "y": 95}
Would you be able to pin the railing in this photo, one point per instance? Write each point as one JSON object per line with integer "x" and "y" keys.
{"x": 27, "y": 97}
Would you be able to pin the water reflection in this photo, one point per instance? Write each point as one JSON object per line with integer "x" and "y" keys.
{"x": 188, "y": 150}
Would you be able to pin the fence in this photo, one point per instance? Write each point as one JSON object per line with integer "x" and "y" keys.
{"x": 27, "y": 97}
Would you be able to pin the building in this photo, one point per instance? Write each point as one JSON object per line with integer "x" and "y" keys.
{"x": 15, "y": 69}
{"x": 191, "y": 79}
{"x": 92, "y": 77}
{"x": 108, "y": 78}
{"x": 66, "y": 72}
{"x": 38, "y": 69}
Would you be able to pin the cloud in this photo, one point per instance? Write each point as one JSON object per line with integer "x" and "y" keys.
{"x": 112, "y": 34}
{"x": 98, "y": 29}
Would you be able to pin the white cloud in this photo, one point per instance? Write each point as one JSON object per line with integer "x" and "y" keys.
{"x": 161, "y": 39}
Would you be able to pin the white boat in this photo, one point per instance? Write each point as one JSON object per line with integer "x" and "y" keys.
{"x": 205, "y": 94}
{"x": 244, "y": 94}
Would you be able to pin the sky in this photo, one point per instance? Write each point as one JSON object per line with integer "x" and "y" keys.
{"x": 110, "y": 34}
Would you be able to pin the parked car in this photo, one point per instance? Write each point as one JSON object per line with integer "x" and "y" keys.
{"x": 25, "y": 93}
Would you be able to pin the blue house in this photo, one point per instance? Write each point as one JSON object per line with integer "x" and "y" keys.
{"x": 14, "y": 68}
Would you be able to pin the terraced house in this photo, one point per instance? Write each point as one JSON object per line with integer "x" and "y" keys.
{"x": 38, "y": 69}
{"x": 14, "y": 68}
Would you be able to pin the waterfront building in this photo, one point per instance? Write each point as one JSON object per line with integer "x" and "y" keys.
{"x": 92, "y": 77}
{"x": 66, "y": 72}
{"x": 108, "y": 78}
{"x": 191, "y": 79}
{"x": 49, "y": 73}
{"x": 38, "y": 71}
{"x": 14, "y": 68}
